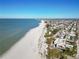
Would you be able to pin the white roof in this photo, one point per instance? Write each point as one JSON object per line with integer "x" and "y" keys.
{"x": 59, "y": 41}
{"x": 72, "y": 33}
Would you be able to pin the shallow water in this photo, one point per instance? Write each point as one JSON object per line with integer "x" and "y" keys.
{"x": 11, "y": 30}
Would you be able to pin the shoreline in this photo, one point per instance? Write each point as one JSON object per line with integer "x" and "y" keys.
{"x": 27, "y": 47}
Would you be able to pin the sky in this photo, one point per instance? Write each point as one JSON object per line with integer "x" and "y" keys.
{"x": 39, "y": 8}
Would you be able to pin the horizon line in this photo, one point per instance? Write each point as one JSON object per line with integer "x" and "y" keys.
{"x": 40, "y": 18}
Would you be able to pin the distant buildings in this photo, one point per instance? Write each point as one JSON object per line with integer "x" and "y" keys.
{"x": 66, "y": 33}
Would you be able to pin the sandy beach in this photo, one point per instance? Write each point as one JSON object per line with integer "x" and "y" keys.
{"x": 27, "y": 47}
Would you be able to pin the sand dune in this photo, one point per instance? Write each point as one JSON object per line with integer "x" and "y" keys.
{"x": 27, "y": 47}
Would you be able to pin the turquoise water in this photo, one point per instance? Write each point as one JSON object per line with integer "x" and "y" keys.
{"x": 12, "y": 30}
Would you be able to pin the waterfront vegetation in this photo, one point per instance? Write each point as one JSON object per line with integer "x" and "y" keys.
{"x": 56, "y": 53}
{"x": 52, "y": 32}
{"x": 49, "y": 37}
{"x": 70, "y": 51}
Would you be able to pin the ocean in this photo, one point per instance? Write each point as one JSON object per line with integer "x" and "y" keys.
{"x": 12, "y": 30}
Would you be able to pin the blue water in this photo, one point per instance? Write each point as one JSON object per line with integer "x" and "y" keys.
{"x": 12, "y": 30}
